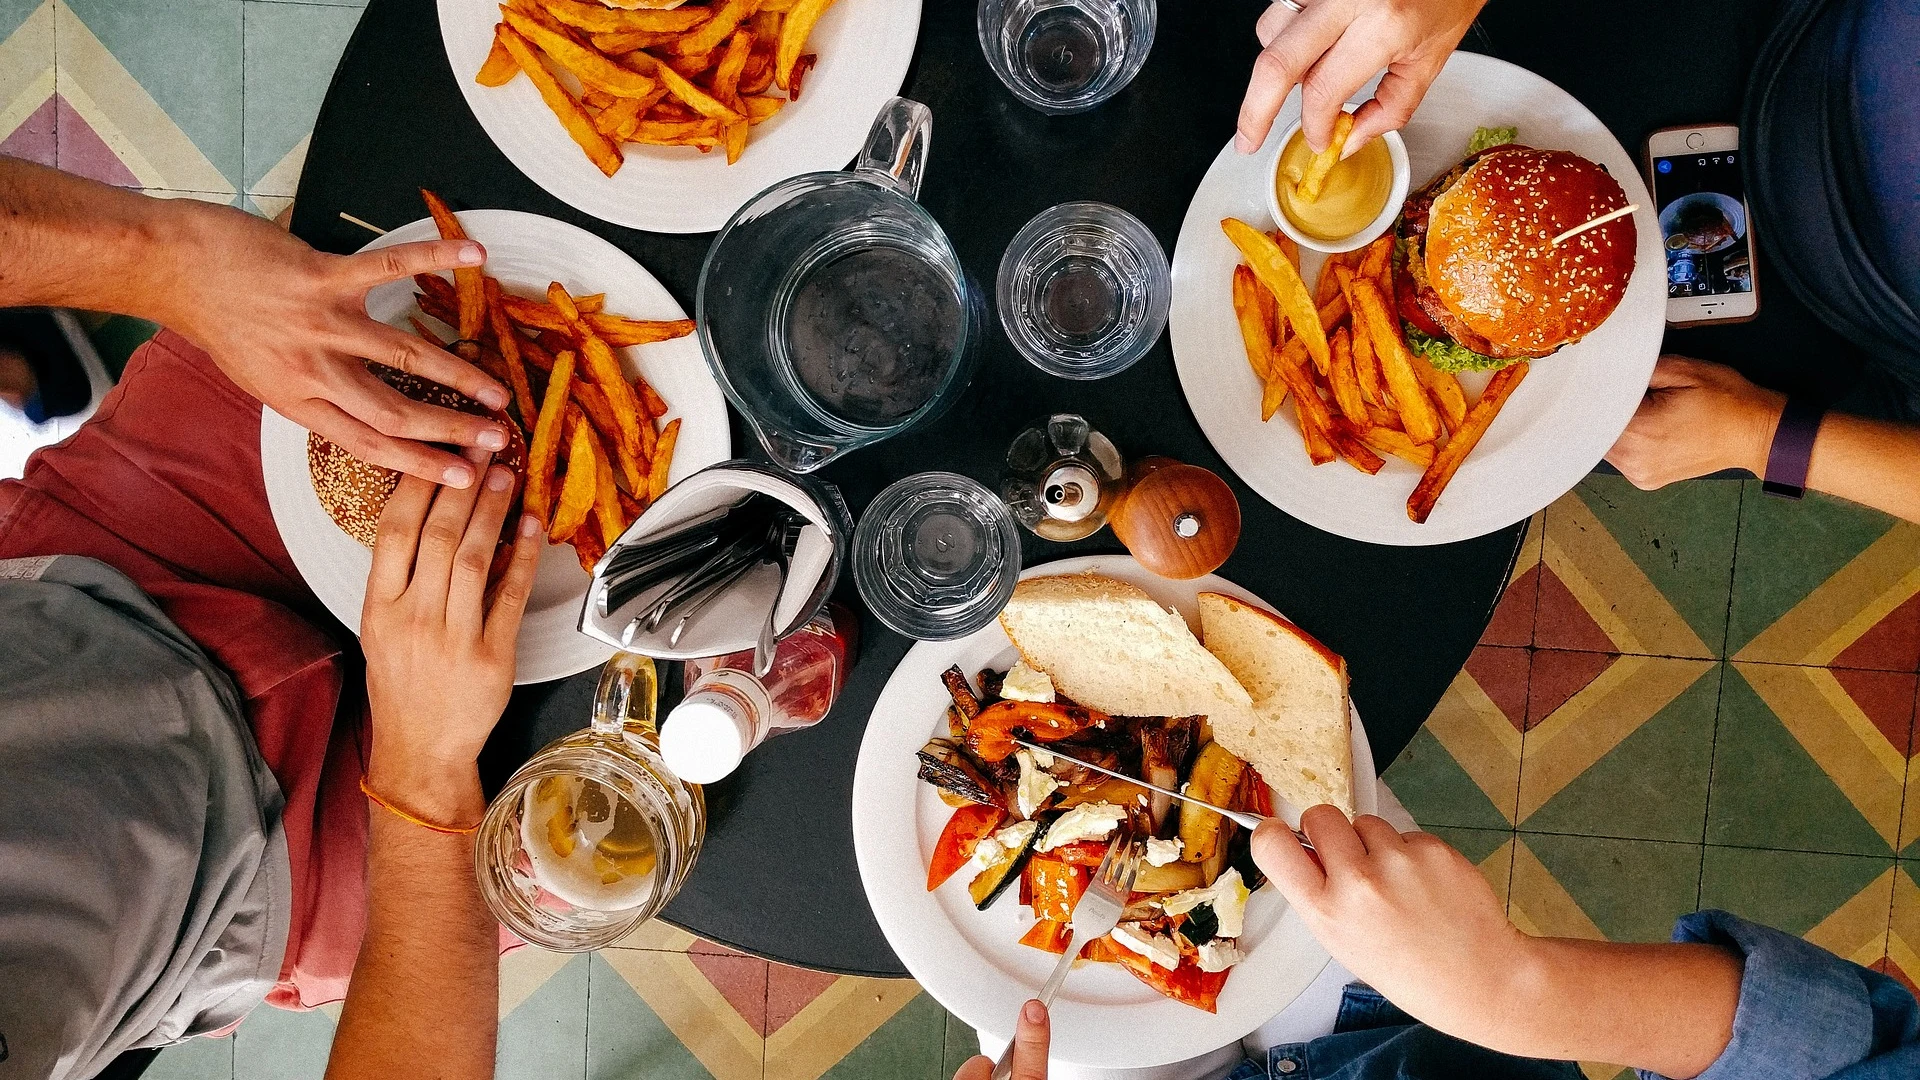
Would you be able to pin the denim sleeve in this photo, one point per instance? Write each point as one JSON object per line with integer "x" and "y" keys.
{"x": 1804, "y": 1013}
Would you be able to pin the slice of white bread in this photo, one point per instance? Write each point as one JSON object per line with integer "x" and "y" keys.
{"x": 1299, "y": 738}
{"x": 1109, "y": 646}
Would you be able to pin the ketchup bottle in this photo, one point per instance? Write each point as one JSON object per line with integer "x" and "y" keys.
{"x": 728, "y": 711}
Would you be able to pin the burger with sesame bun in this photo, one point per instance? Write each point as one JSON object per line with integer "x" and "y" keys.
{"x": 1480, "y": 282}
{"x": 354, "y": 492}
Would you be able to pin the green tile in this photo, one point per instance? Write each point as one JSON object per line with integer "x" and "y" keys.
{"x": 15, "y": 12}
{"x": 1788, "y": 548}
{"x": 291, "y": 51}
{"x": 1769, "y": 792}
{"x": 195, "y": 1059}
{"x": 625, "y": 1040}
{"x": 910, "y": 1046}
{"x": 1436, "y": 790}
{"x": 186, "y": 55}
{"x": 1475, "y": 844}
{"x": 1633, "y": 890}
{"x": 962, "y": 1044}
{"x": 329, "y": 3}
{"x": 1681, "y": 536}
{"x": 273, "y": 1044}
{"x": 1793, "y": 891}
{"x": 1653, "y": 785}
{"x": 545, "y": 1036}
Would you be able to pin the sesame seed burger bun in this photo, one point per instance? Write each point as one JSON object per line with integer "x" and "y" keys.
{"x": 1491, "y": 261}
{"x": 354, "y": 492}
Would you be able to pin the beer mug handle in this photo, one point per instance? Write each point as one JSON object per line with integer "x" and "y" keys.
{"x": 896, "y": 152}
{"x": 629, "y": 690}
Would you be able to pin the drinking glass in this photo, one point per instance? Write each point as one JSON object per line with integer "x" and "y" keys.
{"x": 936, "y": 556}
{"x": 594, "y": 835}
{"x": 1084, "y": 290}
{"x": 1066, "y": 56}
{"x": 833, "y": 309}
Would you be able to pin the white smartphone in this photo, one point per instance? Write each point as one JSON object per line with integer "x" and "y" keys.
{"x": 1704, "y": 224}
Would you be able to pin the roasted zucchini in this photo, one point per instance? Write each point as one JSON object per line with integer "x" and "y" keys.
{"x": 1216, "y": 776}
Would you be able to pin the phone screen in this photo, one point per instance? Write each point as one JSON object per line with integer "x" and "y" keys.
{"x": 1703, "y": 221}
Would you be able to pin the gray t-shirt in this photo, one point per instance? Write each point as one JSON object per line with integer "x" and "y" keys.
{"x": 144, "y": 883}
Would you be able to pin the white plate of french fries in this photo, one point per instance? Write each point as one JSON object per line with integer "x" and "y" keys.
{"x": 671, "y": 118}
{"x": 1537, "y": 437}
{"x": 526, "y": 253}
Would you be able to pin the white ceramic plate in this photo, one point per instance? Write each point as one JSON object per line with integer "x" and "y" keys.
{"x": 525, "y": 251}
{"x": 864, "y": 48}
{"x": 1551, "y": 433}
{"x": 971, "y": 961}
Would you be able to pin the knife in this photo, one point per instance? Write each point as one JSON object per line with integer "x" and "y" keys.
{"x": 1238, "y": 817}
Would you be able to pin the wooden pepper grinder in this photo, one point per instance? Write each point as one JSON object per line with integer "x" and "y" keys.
{"x": 1180, "y": 521}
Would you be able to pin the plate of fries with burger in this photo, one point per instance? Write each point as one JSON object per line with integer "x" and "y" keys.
{"x": 973, "y": 849}
{"x": 1430, "y": 337}
{"x": 611, "y": 403}
{"x": 668, "y": 115}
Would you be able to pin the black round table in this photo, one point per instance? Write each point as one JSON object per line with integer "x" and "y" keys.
{"x": 777, "y": 877}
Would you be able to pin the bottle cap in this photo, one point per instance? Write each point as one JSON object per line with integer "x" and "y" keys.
{"x": 705, "y": 737}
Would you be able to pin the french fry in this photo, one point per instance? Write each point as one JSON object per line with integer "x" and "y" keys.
{"x": 628, "y": 41}
{"x": 1345, "y": 435}
{"x": 794, "y": 31}
{"x": 1332, "y": 313}
{"x": 499, "y": 69}
{"x": 1373, "y": 386}
{"x": 593, "y": 402}
{"x": 761, "y": 109}
{"x": 1382, "y": 417}
{"x": 1322, "y": 163}
{"x": 579, "y": 125}
{"x": 758, "y": 78}
{"x": 1444, "y": 389}
{"x": 1253, "y": 328}
{"x": 663, "y": 461}
{"x": 1270, "y": 265}
{"x": 695, "y": 98}
{"x": 606, "y": 496}
{"x": 1316, "y": 423}
{"x": 507, "y": 340}
{"x": 597, "y": 18}
{"x": 1376, "y": 256}
{"x": 731, "y": 65}
{"x": 692, "y": 66}
{"x": 469, "y": 288}
{"x": 588, "y": 548}
{"x": 1395, "y": 443}
{"x": 578, "y": 489}
{"x": 593, "y": 70}
{"x": 1272, "y": 396}
{"x": 800, "y": 69}
{"x": 1447, "y": 461}
{"x": 1287, "y": 246}
{"x": 1396, "y": 363}
{"x": 602, "y": 366}
{"x": 617, "y": 330}
{"x": 656, "y": 405}
{"x": 535, "y": 354}
{"x": 630, "y": 507}
{"x": 426, "y": 335}
{"x": 439, "y": 290}
{"x": 727, "y": 17}
{"x": 597, "y": 99}
{"x": 704, "y": 134}
{"x": 1344, "y": 381}
{"x": 622, "y": 114}
{"x": 544, "y": 451}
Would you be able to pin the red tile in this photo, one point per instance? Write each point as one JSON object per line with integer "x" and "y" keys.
{"x": 1887, "y": 699}
{"x": 1512, "y": 622}
{"x": 1893, "y": 644}
{"x": 34, "y": 140}
{"x": 791, "y": 989}
{"x": 1558, "y": 675}
{"x": 84, "y": 153}
{"x": 712, "y": 948}
{"x": 742, "y": 980}
{"x": 1886, "y": 966}
{"x": 1561, "y": 623}
{"x": 1502, "y": 675}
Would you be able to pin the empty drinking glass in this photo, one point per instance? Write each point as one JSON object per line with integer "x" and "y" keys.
{"x": 1066, "y": 56}
{"x": 936, "y": 556}
{"x": 1084, "y": 290}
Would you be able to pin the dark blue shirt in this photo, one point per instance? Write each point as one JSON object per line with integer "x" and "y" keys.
{"x": 1804, "y": 1014}
{"x": 1886, "y": 109}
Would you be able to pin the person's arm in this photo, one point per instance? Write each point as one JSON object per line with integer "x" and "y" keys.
{"x": 1332, "y": 48}
{"x": 1700, "y": 418}
{"x": 1414, "y": 919}
{"x": 440, "y": 657}
{"x": 285, "y": 322}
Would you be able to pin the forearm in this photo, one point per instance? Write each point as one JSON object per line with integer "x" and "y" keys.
{"x": 1870, "y": 462}
{"x": 425, "y": 993}
{"x": 71, "y": 242}
{"x": 1665, "y": 1008}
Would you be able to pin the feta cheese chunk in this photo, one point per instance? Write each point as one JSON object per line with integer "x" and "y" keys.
{"x": 1034, "y": 786}
{"x": 1220, "y": 954}
{"x": 991, "y": 849}
{"x": 986, "y": 851}
{"x": 1162, "y": 852}
{"x": 1088, "y": 821}
{"x": 1158, "y": 948}
{"x": 1027, "y": 684}
{"x": 1228, "y": 895}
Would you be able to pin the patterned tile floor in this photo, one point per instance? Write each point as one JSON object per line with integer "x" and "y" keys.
{"x": 1690, "y": 697}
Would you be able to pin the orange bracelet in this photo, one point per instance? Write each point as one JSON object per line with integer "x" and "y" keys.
{"x": 409, "y": 818}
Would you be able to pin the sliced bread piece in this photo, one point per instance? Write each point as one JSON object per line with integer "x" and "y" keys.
{"x": 1299, "y": 739}
{"x": 1109, "y": 646}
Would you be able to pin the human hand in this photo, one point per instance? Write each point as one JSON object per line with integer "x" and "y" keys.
{"x": 1697, "y": 418}
{"x": 1030, "y": 1039}
{"x": 289, "y": 325}
{"x": 1333, "y": 48}
{"x": 1408, "y": 915}
{"x": 440, "y": 651}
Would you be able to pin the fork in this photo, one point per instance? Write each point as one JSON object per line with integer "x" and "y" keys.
{"x": 1097, "y": 913}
